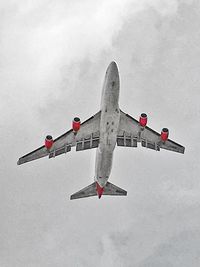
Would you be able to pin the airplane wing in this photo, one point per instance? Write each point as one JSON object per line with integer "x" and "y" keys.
{"x": 86, "y": 138}
{"x": 130, "y": 133}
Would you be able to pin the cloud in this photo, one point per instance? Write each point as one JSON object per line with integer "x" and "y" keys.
{"x": 53, "y": 61}
{"x": 41, "y": 38}
{"x": 181, "y": 250}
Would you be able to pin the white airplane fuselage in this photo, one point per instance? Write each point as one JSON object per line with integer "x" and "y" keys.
{"x": 109, "y": 124}
{"x": 103, "y": 130}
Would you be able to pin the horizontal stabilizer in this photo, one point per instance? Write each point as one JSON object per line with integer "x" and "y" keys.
{"x": 113, "y": 190}
{"x": 90, "y": 190}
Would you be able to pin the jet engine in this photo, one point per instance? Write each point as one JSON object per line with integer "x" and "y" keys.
{"x": 143, "y": 119}
{"x": 76, "y": 124}
{"x": 164, "y": 134}
{"x": 48, "y": 141}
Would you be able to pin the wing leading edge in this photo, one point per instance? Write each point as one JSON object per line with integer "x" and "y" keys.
{"x": 130, "y": 133}
{"x": 86, "y": 138}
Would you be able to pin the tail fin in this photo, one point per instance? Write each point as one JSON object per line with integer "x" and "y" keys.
{"x": 91, "y": 190}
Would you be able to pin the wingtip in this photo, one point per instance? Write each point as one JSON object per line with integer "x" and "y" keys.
{"x": 20, "y": 161}
{"x": 182, "y": 150}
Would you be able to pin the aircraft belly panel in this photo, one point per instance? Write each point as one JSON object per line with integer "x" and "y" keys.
{"x": 103, "y": 166}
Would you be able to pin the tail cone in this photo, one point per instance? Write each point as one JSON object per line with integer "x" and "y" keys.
{"x": 99, "y": 190}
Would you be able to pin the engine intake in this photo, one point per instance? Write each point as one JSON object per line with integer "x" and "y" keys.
{"x": 164, "y": 134}
{"x": 48, "y": 141}
{"x": 76, "y": 124}
{"x": 143, "y": 119}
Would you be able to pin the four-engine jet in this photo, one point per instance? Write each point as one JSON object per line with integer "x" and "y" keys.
{"x": 108, "y": 127}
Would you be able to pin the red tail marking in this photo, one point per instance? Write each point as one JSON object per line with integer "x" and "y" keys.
{"x": 99, "y": 190}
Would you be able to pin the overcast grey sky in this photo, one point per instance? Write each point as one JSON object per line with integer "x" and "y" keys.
{"x": 54, "y": 55}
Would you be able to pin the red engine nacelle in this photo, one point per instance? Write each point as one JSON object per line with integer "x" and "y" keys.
{"x": 48, "y": 141}
{"x": 164, "y": 134}
{"x": 76, "y": 124}
{"x": 143, "y": 119}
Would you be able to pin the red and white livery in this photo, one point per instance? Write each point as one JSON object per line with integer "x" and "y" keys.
{"x": 108, "y": 127}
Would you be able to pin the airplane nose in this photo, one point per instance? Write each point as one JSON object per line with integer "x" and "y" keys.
{"x": 113, "y": 65}
{"x": 112, "y": 68}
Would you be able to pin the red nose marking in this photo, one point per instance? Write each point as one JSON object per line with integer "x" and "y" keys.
{"x": 99, "y": 190}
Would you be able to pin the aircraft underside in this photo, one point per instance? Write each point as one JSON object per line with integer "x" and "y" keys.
{"x": 106, "y": 129}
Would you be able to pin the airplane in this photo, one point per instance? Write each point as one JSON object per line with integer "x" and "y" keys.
{"x": 108, "y": 127}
